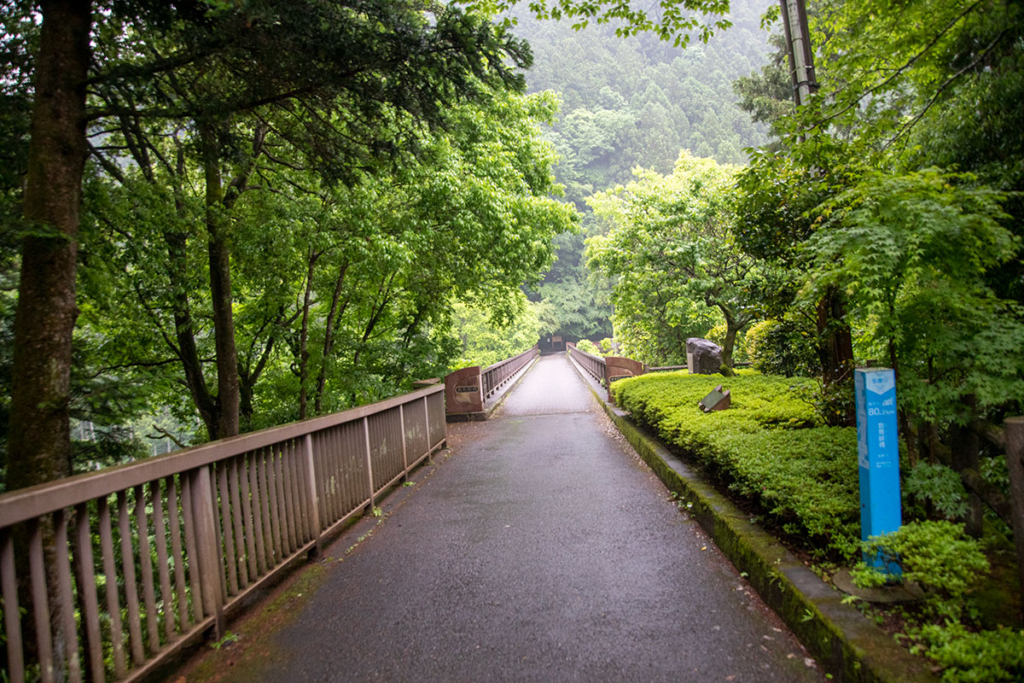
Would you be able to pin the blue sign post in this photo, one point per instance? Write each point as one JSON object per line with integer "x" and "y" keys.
{"x": 879, "y": 459}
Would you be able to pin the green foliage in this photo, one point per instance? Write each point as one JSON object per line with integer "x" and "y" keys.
{"x": 668, "y": 22}
{"x": 341, "y": 292}
{"x": 985, "y": 657}
{"x": 937, "y": 485}
{"x": 485, "y": 341}
{"x": 636, "y": 102}
{"x": 587, "y": 346}
{"x": 573, "y": 307}
{"x": 674, "y": 259}
{"x": 911, "y": 253}
{"x": 767, "y": 96}
{"x": 228, "y": 640}
{"x": 767, "y": 447}
{"x": 781, "y": 348}
{"x": 898, "y": 179}
{"x": 937, "y": 555}
{"x": 628, "y": 102}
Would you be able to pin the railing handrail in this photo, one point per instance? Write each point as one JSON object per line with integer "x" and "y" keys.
{"x": 511, "y": 359}
{"x": 576, "y": 349}
{"x": 25, "y": 504}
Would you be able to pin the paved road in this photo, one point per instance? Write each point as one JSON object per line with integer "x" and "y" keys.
{"x": 540, "y": 550}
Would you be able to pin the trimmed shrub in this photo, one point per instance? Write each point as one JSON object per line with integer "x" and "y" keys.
{"x": 768, "y": 448}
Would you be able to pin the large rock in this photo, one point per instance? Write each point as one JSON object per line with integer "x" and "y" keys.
{"x": 703, "y": 357}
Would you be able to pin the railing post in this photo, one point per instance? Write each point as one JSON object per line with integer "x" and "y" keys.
{"x": 206, "y": 544}
{"x": 369, "y": 459}
{"x": 314, "y": 500}
{"x": 426, "y": 420}
{"x": 12, "y": 616}
{"x": 405, "y": 453}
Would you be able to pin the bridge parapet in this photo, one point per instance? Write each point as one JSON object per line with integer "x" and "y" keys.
{"x": 181, "y": 540}
{"x": 607, "y": 369}
{"x": 473, "y": 392}
{"x": 594, "y": 365}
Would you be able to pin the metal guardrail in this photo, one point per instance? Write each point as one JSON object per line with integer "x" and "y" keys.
{"x": 594, "y": 365}
{"x": 672, "y": 368}
{"x": 197, "y": 531}
{"x": 502, "y": 371}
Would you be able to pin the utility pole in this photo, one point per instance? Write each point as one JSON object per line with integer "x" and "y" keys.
{"x": 835, "y": 346}
{"x": 798, "y": 45}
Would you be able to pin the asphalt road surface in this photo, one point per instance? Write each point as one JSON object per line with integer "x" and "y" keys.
{"x": 541, "y": 549}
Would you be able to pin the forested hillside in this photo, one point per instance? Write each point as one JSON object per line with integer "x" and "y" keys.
{"x": 638, "y": 101}
{"x": 631, "y": 102}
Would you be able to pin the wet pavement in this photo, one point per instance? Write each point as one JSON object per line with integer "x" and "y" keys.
{"x": 541, "y": 549}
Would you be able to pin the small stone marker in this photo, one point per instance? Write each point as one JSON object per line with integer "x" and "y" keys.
{"x": 703, "y": 357}
{"x": 716, "y": 400}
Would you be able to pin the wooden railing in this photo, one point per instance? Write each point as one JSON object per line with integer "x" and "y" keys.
{"x": 197, "y": 530}
{"x": 594, "y": 365}
{"x": 502, "y": 371}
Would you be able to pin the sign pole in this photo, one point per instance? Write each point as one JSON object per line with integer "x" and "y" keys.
{"x": 879, "y": 460}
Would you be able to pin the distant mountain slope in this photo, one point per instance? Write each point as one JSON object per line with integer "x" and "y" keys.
{"x": 638, "y": 101}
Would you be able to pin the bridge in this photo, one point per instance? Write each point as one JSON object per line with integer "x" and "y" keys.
{"x": 539, "y": 548}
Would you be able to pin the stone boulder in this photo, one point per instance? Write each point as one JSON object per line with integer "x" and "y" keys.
{"x": 703, "y": 357}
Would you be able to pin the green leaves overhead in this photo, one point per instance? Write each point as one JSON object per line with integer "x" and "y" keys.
{"x": 672, "y": 20}
{"x": 295, "y": 193}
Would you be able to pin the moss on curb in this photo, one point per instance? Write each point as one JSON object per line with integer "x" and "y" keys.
{"x": 848, "y": 646}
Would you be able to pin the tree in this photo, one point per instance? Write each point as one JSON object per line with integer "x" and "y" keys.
{"x": 341, "y": 293}
{"x": 46, "y": 309}
{"x": 483, "y": 342}
{"x": 673, "y": 245}
{"x": 911, "y": 253}
{"x": 206, "y": 66}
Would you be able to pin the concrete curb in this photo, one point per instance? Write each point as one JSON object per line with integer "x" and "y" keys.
{"x": 844, "y": 641}
{"x": 490, "y": 407}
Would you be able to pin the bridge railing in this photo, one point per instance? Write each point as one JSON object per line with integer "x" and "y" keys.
{"x": 471, "y": 391}
{"x": 594, "y": 365}
{"x": 127, "y": 565}
{"x": 496, "y": 375}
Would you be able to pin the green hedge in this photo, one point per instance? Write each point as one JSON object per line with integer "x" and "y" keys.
{"x": 767, "y": 447}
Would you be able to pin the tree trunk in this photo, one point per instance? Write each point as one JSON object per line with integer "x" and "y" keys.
{"x": 964, "y": 443}
{"x": 39, "y": 447}
{"x": 835, "y": 345}
{"x": 219, "y": 250}
{"x": 247, "y": 379}
{"x": 39, "y": 440}
{"x": 730, "y": 341}
{"x": 304, "y": 337}
{"x": 321, "y": 381}
{"x": 184, "y": 333}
